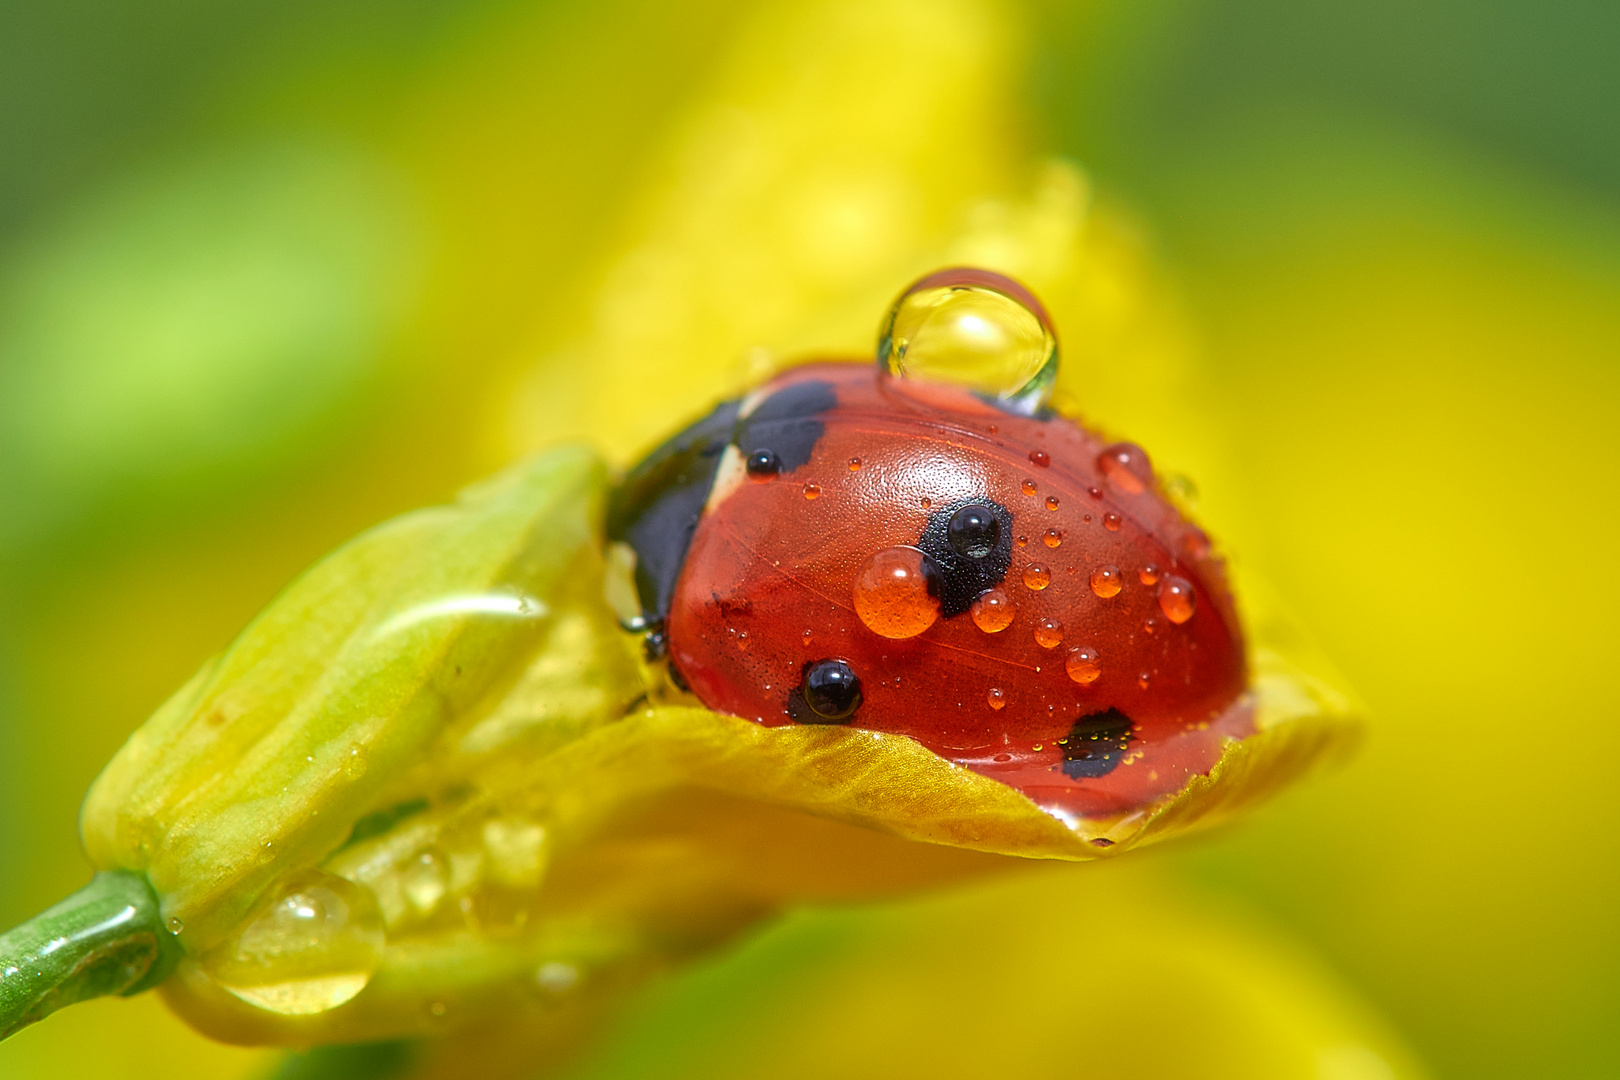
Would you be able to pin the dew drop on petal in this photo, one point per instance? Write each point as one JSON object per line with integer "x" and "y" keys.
{"x": 993, "y": 611}
{"x": 1176, "y": 599}
{"x": 309, "y": 946}
{"x": 896, "y": 593}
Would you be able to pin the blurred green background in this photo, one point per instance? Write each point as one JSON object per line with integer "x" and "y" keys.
{"x": 269, "y": 271}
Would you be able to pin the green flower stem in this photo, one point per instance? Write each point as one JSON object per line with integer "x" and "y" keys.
{"x": 107, "y": 938}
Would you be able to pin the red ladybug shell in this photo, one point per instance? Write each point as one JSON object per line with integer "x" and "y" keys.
{"x": 850, "y": 461}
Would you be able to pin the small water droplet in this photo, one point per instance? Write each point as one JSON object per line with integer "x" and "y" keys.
{"x": 1106, "y": 581}
{"x": 1181, "y": 491}
{"x": 997, "y": 698}
{"x": 1150, "y": 626}
{"x": 437, "y": 1009}
{"x": 1083, "y": 665}
{"x": 1051, "y": 502}
{"x": 1003, "y": 757}
{"x": 1053, "y": 537}
{"x": 926, "y": 502}
{"x": 1126, "y": 466}
{"x": 808, "y": 636}
{"x": 175, "y": 925}
{"x": 742, "y": 640}
{"x": 993, "y": 611}
{"x": 556, "y": 978}
{"x": 1048, "y": 633}
{"x": 1095, "y": 492}
{"x": 309, "y": 946}
{"x": 973, "y": 531}
{"x": 355, "y": 764}
{"x": 763, "y": 465}
{"x": 424, "y": 881}
{"x": 812, "y": 492}
{"x": 1040, "y": 458}
{"x": 1149, "y": 574}
{"x": 854, "y": 464}
{"x": 1037, "y": 576}
{"x": 897, "y": 592}
{"x": 974, "y": 328}
{"x": 1143, "y": 679}
{"x": 1176, "y": 599}
{"x": 1028, "y": 487}
{"x": 1112, "y": 521}
{"x": 1022, "y": 541}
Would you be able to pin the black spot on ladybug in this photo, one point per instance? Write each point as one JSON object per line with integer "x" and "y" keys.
{"x": 656, "y": 508}
{"x": 829, "y": 694}
{"x": 1096, "y": 744}
{"x": 787, "y": 424}
{"x": 974, "y": 557}
{"x": 763, "y": 463}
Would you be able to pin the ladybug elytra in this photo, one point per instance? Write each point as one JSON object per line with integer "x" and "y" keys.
{"x": 924, "y": 548}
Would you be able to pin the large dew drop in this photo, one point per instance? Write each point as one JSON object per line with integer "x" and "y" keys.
{"x": 977, "y": 329}
{"x": 897, "y": 593}
{"x": 309, "y": 946}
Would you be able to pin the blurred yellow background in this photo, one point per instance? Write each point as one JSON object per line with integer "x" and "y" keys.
{"x": 272, "y": 272}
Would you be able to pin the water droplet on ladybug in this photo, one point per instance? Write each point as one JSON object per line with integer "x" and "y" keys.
{"x": 1022, "y": 541}
{"x": 1176, "y": 599}
{"x": 1106, "y": 581}
{"x": 854, "y": 464}
{"x": 1150, "y": 626}
{"x": 1126, "y": 466}
{"x": 1051, "y": 502}
{"x": 1143, "y": 679}
{"x": 897, "y": 593}
{"x": 1095, "y": 492}
{"x": 1053, "y": 537}
{"x": 763, "y": 465}
{"x": 1112, "y": 521}
{"x": 1037, "y": 576}
{"x": 808, "y": 636}
{"x": 1083, "y": 665}
{"x": 974, "y": 328}
{"x": 973, "y": 531}
{"x": 1040, "y": 458}
{"x": 997, "y": 698}
{"x": 831, "y": 689}
{"x": 1149, "y": 574}
{"x": 992, "y": 611}
{"x": 1028, "y": 487}
{"x": 1048, "y": 633}
{"x": 812, "y": 491}
{"x": 742, "y": 639}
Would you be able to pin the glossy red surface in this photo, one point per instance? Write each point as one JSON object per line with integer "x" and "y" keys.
{"x": 769, "y": 579}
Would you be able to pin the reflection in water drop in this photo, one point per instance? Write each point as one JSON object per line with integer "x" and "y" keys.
{"x": 309, "y": 946}
{"x": 993, "y": 611}
{"x": 977, "y": 329}
{"x": 897, "y": 593}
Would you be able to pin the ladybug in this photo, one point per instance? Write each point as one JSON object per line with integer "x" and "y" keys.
{"x": 875, "y": 547}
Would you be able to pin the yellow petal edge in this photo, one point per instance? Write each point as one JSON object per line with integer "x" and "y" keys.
{"x": 445, "y": 712}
